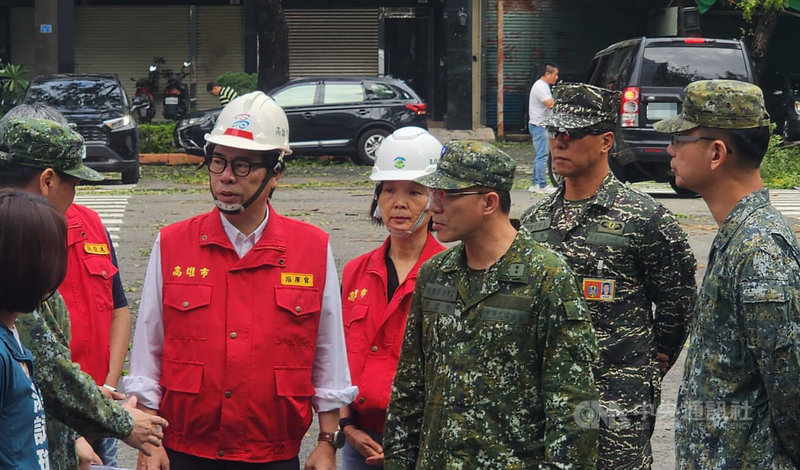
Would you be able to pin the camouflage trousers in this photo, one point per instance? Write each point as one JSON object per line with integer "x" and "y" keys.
{"x": 626, "y": 446}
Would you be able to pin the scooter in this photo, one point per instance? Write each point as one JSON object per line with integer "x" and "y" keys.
{"x": 143, "y": 95}
{"x": 176, "y": 94}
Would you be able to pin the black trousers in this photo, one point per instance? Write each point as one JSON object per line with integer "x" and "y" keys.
{"x": 181, "y": 461}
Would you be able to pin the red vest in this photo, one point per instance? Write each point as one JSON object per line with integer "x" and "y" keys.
{"x": 87, "y": 291}
{"x": 239, "y": 338}
{"x": 374, "y": 329}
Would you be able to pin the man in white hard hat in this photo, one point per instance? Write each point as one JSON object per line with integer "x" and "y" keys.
{"x": 239, "y": 333}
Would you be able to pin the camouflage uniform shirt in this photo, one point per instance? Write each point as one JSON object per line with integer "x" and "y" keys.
{"x": 738, "y": 403}
{"x": 494, "y": 367}
{"x": 628, "y": 253}
{"x": 70, "y": 396}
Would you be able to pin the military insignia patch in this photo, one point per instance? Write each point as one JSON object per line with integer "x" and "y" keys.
{"x": 297, "y": 279}
{"x": 610, "y": 226}
{"x": 599, "y": 289}
{"x": 96, "y": 248}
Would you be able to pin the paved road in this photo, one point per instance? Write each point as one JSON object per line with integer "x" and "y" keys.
{"x": 342, "y": 213}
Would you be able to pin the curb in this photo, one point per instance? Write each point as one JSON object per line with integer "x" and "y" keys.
{"x": 169, "y": 159}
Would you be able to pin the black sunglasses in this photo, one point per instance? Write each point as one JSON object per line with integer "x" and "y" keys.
{"x": 572, "y": 134}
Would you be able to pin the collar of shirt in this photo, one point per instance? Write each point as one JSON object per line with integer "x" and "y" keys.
{"x": 743, "y": 209}
{"x": 243, "y": 243}
{"x": 604, "y": 197}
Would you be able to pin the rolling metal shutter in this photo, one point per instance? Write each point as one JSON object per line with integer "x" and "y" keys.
{"x": 539, "y": 31}
{"x": 333, "y": 42}
{"x": 21, "y": 35}
{"x": 220, "y": 47}
{"x": 124, "y": 39}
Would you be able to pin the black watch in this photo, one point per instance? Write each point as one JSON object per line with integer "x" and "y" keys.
{"x": 335, "y": 439}
{"x": 348, "y": 421}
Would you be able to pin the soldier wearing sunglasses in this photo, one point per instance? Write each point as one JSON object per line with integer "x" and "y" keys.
{"x": 632, "y": 262}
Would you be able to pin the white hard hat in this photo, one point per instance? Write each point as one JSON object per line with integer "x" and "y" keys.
{"x": 252, "y": 122}
{"x": 408, "y": 153}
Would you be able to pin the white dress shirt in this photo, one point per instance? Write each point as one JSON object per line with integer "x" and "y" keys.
{"x": 330, "y": 373}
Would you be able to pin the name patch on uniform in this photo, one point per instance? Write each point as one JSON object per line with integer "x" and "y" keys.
{"x": 505, "y": 315}
{"x": 297, "y": 279}
{"x": 96, "y": 248}
{"x": 438, "y": 306}
{"x": 440, "y": 292}
{"x": 599, "y": 289}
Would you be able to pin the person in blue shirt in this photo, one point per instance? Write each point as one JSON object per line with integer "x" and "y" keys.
{"x": 33, "y": 254}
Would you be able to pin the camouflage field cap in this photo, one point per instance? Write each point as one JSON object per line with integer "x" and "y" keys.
{"x": 579, "y": 105}
{"x": 718, "y": 104}
{"x": 41, "y": 143}
{"x": 467, "y": 163}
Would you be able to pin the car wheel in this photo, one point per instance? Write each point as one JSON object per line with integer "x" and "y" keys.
{"x": 130, "y": 176}
{"x": 555, "y": 178}
{"x": 368, "y": 144}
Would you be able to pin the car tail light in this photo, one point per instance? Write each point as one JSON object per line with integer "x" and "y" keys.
{"x": 173, "y": 92}
{"x": 418, "y": 108}
{"x": 694, "y": 41}
{"x": 797, "y": 107}
{"x": 629, "y": 107}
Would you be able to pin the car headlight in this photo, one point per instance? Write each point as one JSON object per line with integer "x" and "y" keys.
{"x": 797, "y": 107}
{"x": 118, "y": 124}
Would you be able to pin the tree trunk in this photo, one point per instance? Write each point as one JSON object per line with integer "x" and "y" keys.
{"x": 761, "y": 36}
{"x": 273, "y": 44}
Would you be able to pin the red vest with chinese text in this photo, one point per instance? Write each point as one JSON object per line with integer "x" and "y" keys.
{"x": 87, "y": 291}
{"x": 239, "y": 338}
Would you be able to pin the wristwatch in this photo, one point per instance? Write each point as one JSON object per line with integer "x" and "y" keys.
{"x": 348, "y": 421}
{"x": 335, "y": 439}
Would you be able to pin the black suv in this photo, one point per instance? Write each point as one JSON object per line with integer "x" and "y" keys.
{"x": 97, "y": 107}
{"x": 328, "y": 116}
{"x": 651, "y": 73}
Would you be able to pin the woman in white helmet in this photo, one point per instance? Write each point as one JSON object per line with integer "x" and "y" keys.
{"x": 377, "y": 288}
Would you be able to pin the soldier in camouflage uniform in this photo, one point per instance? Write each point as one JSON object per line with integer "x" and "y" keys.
{"x": 43, "y": 157}
{"x": 629, "y": 254}
{"x": 738, "y": 403}
{"x": 495, "y": 370}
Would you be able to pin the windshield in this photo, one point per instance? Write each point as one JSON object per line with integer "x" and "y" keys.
{"x": 680, "y": 66}
{"x": 77, "y": 95}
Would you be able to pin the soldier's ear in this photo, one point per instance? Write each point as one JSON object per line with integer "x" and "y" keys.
{"x": 607, "y": 142}
{"x": 719, "y": 154}
{"x": 47, "y": 181}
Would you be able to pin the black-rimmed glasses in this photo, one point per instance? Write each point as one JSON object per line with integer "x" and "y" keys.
{"x": 443, "y": 195}
{"x": 240, "y": 166}
{"x": 694, "y": 138}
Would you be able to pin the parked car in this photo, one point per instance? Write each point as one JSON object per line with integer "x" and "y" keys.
{"x": 783, "y": 104}
{"x": 328, "y": 116}
{"x": 98, "y": 108}
{"x": 651, "y": 73}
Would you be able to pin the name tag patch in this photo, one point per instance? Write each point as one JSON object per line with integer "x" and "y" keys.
{"x": 96, "y": 248}
{"x": 599, "y": 289}
{"x": 297, "y": 279}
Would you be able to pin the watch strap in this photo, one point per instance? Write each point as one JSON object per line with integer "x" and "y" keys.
{"x": 348, "y": 421}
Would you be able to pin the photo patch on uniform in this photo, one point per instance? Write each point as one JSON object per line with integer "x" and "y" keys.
{"x": 96, "y": 248}
{"x": 297, "y": 279}
{"x": 599, "y": 289}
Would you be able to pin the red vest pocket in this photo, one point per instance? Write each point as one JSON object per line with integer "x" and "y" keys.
{"x": 298, "y": 300}
{"x": 180, "y": 376}
{"x": 100, "y": 266}
{"x": 293, "y": 381}
{"x": 186, "y": 297}
{"x": 354, "y": 313}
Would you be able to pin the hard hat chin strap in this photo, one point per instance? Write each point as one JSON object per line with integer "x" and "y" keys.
{"x": 407, "y": 233}
{"x": 239, "y": 208}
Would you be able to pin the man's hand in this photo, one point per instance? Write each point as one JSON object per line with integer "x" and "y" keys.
{"x": 86, "y": 455}
{"x": 155, "y": 459}
{"x": 111, "y": 394}
{"x": 147, "y": 428}
{"x": 322, "y": 458}
{"x": 663, "y": 363}
{"x": 364, "y": 444}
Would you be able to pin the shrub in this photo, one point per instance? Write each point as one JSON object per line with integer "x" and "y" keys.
{"x": 156, "y": 138}
{"x": 780, "y": 168}
{"x": 239, "y": 81}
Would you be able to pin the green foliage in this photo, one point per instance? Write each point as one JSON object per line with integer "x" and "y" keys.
{"x": 12, "y": 81}
{"x": 780, "y": 168}
{"x": 749, "y": 7}
{"x": 156, "y": 138}
{"x": 239, "y": 81}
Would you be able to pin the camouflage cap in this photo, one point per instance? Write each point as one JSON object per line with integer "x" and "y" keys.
{"x": 41, "y": 143}
{"x": 579, "y": 105}
{"x": 718, "y": 104}
{"x": 467, "y": 163}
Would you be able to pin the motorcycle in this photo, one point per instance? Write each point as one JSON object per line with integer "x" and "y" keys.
{"x": 143, "y": 95}
{"x": 176, "y": 94}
